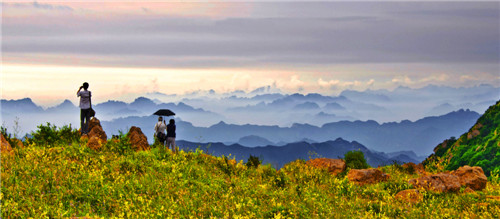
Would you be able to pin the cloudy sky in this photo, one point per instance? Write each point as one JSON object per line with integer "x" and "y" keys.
{"x": 127, "y": 48}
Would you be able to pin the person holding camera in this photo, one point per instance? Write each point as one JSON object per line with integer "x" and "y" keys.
{"x": 85, "y": 107}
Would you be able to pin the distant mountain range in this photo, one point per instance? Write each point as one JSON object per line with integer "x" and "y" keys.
{"x": 278, "y": 118}
{"x": 420, "y": 136}
{"x": 278, "y": 156}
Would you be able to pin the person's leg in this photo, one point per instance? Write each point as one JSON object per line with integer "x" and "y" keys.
{"x": 169, "y": 144}
{"x": 82, "y": 124}
{"x": 174, "y": 146}
{"x": 87, "y": 120}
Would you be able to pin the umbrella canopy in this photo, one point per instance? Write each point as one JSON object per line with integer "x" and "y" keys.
{"x": 164, "y": 112}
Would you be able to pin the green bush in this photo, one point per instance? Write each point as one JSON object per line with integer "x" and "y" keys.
{"x": 49, "y": 135}
{"x": 355, "y": 160}
{"x": 119, "y": 144}
{"x": 253, "y": 161}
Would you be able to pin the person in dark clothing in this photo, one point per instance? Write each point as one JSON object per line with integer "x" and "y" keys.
{"x": 171, "y": 135}
{"x": 85, "y": 106}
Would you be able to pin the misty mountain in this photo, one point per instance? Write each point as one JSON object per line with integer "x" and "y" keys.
{"x": 280, "y": 155}
{"x": 379, "y": 105}
{"x": 65, "y": 107}
{"x": 25, "y": 105}
{"x": 409, "y": 154}
{"x": 306, "y": 106}
{"x": 420, "y": 136}
{"x": 254, "y": 141}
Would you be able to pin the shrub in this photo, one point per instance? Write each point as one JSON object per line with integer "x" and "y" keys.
{"x": 119, "y": 144}
{"x": 409, "y": 169}
{"x": 49, "y": 135}
{"x": 253, "y": 161}
{"x": 355, "y": 160}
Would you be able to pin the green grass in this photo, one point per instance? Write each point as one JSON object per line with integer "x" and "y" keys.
{"x": 75, "y": 181}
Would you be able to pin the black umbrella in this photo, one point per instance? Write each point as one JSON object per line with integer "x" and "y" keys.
{"x": 164, "y": 112}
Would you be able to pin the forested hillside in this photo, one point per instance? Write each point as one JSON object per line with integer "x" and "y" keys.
{"x": 478, "y": 147}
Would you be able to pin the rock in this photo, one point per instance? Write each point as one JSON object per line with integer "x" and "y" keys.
{"x": 5, "y": 147}
{"x": 97, "y": 137}
{"x": 469, "y": 191}
{"x": 94, "y": 122}
{"x": 472, "y": 177}
{"x": 99, "y": 133}
{"x": 441, "y": 182}
{"x": 334, "y": 166}
{"x": 412, "y": 196}
{"x": 366, "y": 176}
{"x": 95, "y": 143}
{"x": 138, "y": 140}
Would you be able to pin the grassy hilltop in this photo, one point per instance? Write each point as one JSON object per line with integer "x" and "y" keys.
{"x": 68, "y": 179}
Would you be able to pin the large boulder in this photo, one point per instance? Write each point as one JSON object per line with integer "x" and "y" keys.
{"x": 97, "y": 137}
{"x": 366, "y": 176}
{"x": 334, "y": 166}
{"x": 5, "y": 146}
{"x": 412, "y": 196}
{"x": 138, "y": 140}
{"x": 94, "y": 122}
{"x": 441, "y": 182}
{"x": 472, "y": 177}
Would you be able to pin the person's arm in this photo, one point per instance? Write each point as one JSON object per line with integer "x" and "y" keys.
{"x": 79, "y": 90}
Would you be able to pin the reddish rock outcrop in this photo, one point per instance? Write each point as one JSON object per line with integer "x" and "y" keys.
{"x": 366, "y": 176}
{"x": 334, "y": 166}
{"x": 138, "y": 140}
{"x": 97, "y": 137}
{"x": 472, "y": 177}
{"x": 99, "y": 133}
{"x": 94, "y": 122}
{"x": 412, "y": 196}
{"x": 441, "y": 182}
{"x": 5, "y": 146}
{"x": 95, "y": 143}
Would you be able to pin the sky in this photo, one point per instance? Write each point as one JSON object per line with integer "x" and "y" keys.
{"x": 128, "y": 48}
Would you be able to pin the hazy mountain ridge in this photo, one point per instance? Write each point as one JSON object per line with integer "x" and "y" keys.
{"x": 420, "y": 136}
{"x": 280, "y": 155}
{"x": 284, "y": 118}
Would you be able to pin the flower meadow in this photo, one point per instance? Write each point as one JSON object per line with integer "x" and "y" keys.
{"x": 72, "y": 180}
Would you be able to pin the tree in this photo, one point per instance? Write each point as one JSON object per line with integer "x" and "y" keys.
{"x": 355, "y": 160}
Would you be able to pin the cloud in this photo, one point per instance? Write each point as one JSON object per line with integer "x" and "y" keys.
{"x": 320, "y": 39}
{"x": 338, "y": 85}
{"x": 36, "y": 5}
{"x": 292, "y": 84}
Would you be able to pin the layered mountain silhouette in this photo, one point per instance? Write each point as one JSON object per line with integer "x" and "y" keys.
{"x": 280, "y": 155}
{"x": 420, "y": 136}
{"x": 279, "y": 118}
{"x": 480, "y": 146}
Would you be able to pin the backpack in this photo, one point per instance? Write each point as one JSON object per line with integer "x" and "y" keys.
{"x": 160, "y": 136}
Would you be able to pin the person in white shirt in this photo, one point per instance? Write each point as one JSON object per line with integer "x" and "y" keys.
{"x": 160, "y": 128}
{"x": 85, "y": 96}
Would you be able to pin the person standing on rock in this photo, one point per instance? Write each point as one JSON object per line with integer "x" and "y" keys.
{"x": 160, "y": 128}
{"x": 85, "y": 106}
{"x": 171, "y": 135}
